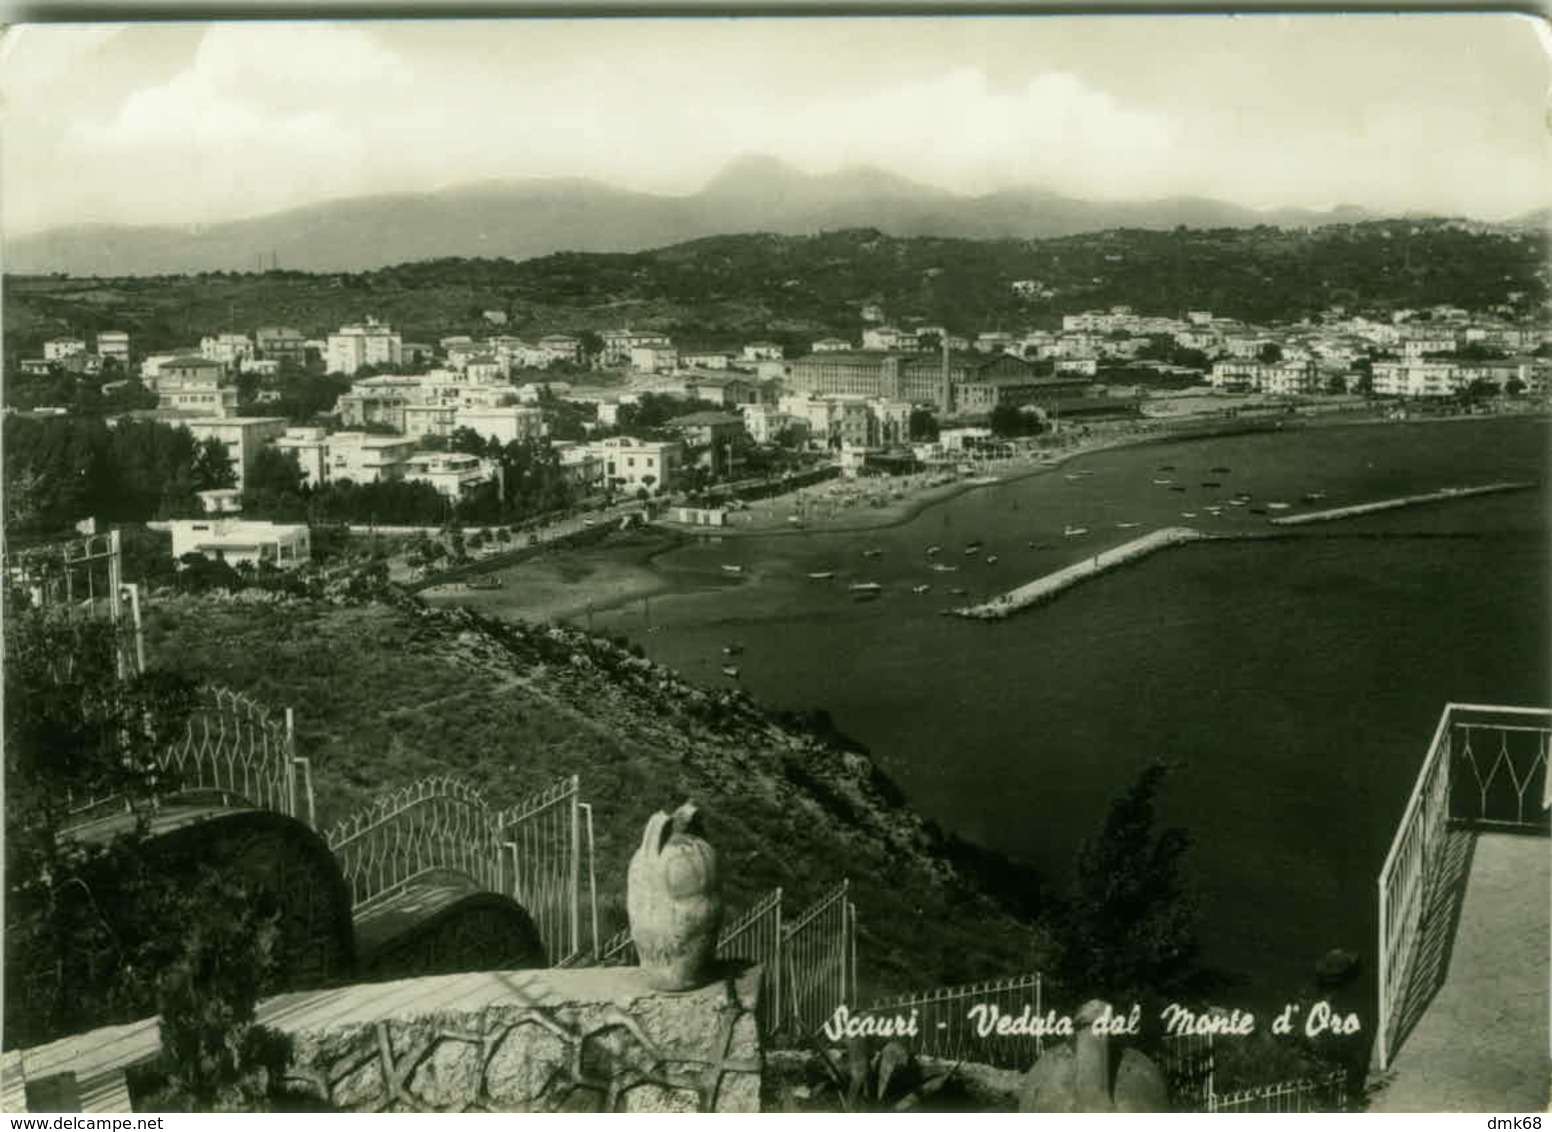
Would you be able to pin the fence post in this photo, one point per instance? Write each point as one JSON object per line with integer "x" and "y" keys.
{"x": 592, "y": 877}
{"x": 778, "y": 979}
{"x": 575, "y": 880}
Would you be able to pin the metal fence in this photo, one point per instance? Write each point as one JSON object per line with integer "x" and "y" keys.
{"x": 434, "y": 825}
{"x": 961, "y": 1023}
{"x": 235, "y": 747}
{"x": 1486, "y": 767}
{"x": 1327, "y": 1093}
{"x": 818, "y": 964}
{"x": 542, "y": 840}
{"x": 83, "y": 577}
{"x": 1189, "y": 1062}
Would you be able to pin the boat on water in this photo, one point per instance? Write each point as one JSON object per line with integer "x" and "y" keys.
{"x": 731, "y": 569}
{"x": 921, "y": 589}
{"x": 1163, "y": 482}
{"x": 991, "y": 559}
{"x": 872, "y": 552}
{"x": 484, "y": 583}
{"x": 1073, "y": 532}
{"x": 1278, "y": 506}
{"x": 1312, "y": 497}
{"x": 1213, "y": 510}
{"x": 933, "y": 549}
{"x": 730, "y": 670}
{"x": 865, "y": 587}
{"x": 959, "y": 590}
{"x": 1188, "y": 514}
{"x": 821, "y": 575}
{"x": 1238, "y": 502}
{"x": 944, "y": 568}
{"x": 1127, "y": 526}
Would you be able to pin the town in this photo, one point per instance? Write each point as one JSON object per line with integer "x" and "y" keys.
{"x": 631, "y": 416}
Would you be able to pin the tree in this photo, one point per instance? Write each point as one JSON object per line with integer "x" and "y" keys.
{"x": 1010, "y": 420}
{"x": 924, "y": 426}
{"x": 1514, "y": 387}
{"x": 1129, "y": 929}
{"x": 1270, "y": 353}
{"x": 1336, "y": 383}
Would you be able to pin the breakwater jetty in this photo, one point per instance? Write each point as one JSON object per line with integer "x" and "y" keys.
{"x": 1044, "y": 588}
{"x": 1391, "y": 504}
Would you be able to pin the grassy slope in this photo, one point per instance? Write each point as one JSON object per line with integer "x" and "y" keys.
{"x": 385, "y": 695}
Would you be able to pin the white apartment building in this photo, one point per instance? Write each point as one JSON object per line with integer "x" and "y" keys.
{"x": 654, "y": 359}
{"x": 367, "y": 344}
{"x": 57, "y": 349}
{"x": 243, "y": 437}
{"x": 632, "y": 463}
{"x": 114, "y": 344}
{"x": 362, "y": 458}
{"x": 762, "y": 352}
{"x": 1286, "y": 378}
{"x": 237, "y": 541}
{"x": 618, "y": 344}
{"x": 454, "y": 474}
{"x": 310, "y": 447}
{"x": 507, "y": 424}
{"x": 1415, "y": 379}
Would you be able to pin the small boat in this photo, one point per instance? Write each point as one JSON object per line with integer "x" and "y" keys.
{"x": 732, "y": 650}
{"x": 872, "y": 552}
{"x": 933, "y": 549}
{"x": 1278, "y": 506}
{"x": 1127, "y": 526}
{"x": 484, "y": 583}
{"x": 1161, "y": 483}
{"x": 921, "y": 589}
{"x": 730, "y": 670}
{"x": 1073, "y": 532}
{"x": 1238, "y": 502}
{"x": 1213, "y": 510}
{"x": 1312, "y": 497}
{"x": 1069, "y": 477}
{"x": 991, "y": 559}
{"x": 821, "y": 575}
{"x": 960, "y": 590}
{"x": 944, "y": 567}
{"x": 865, "y": 587}
{"x": 732, "y": 569}
{"x": 1188, "y": 514}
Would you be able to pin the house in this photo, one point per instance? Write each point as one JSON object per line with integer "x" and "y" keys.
{"x": 889, "y": 338}
{"x": 455, "y": 475}
{"x": 495, "y": 317}
{"x": 657, "y": 358}
{"x": 362, "y": 458}
{"x": 1266, "y": 377}
{"x": 727, "y": 390}
{"x": 310, "y": 448}
{"x": 506, "y": 424}
{"x": 632, "y": 464}
{"x": 830, "y": 346}
{"x": 242, "y": 541}
{"x": 366, "y": 344}
{"x": 561, "y": 348}
{"x": 228, "y": 349}
{"x": 581, "y": 465}
{"x": 243, "y": 437}
{"x": 762, "y": 352}
{"x": 705, "y": 359}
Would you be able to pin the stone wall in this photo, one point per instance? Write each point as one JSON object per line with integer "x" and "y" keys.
{"x": 591, "y": 1039}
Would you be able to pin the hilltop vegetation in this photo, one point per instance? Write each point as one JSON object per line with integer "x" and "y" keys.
{"x": 723, "y": 289}
{"x": 388, "y": 693}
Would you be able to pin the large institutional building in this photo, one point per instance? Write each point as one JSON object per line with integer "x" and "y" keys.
{"x": 958, "y": 383}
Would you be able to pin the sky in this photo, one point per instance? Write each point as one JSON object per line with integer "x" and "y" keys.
{"x": 199, "y": 123}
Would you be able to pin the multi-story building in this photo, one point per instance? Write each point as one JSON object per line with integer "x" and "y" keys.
{"x": 228, "y": 349}
{"x": 281, "y": 344}
{"x": 454, "y": 474}
{"x": 367, "y": 344}
{"x": 762, "y": 352}
{"x": 243, "y": 437}
{"x": 196, "y": 385}
{"x": 114, "y": 344}
{"x": 242, "y": 542}
{"x": 723, "y": 390}
{"x": 1266, "y": 377}
{"x": 631, "y": 464}
{"x": 618, "y": 344}
{"x": 363, "y": 458}
{"x": 1414, "y": 378}
{"x": 507, "y": 424}
{"x": 310, "y": 447}
{"x": 890, "y": 338}
{"x": 581, "y": 465}
{"x": 831, "y": 346}
{"x": 705, "y": 359}
{"x": 962, "y": 382}
{"x": 1419, "y": 347}
{"x": 714, "y": 434}
{"x": 379, "y": 400}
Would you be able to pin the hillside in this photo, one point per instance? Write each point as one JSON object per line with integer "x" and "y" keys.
{"x": 521, "y": 219}
{"x": 721, "y": 289}
{"x": 385, "y": 694}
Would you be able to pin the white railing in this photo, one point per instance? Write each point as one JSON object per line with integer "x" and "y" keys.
{"x": 542, "y": 839}
{"x": 819, "y": 963}
{"x": 1486, "y": 766}
{"x": 233, "y": 746}
{"x": 960, "y": 1023}
{"x": 1326, "y": 1093}
{"x": 432, "y": 826}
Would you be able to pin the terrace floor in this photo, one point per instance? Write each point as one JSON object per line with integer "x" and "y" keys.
{"x": 1480, "y": 1043}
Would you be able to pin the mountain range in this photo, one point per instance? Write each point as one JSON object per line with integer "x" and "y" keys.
{"x": 527, "y": 218}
